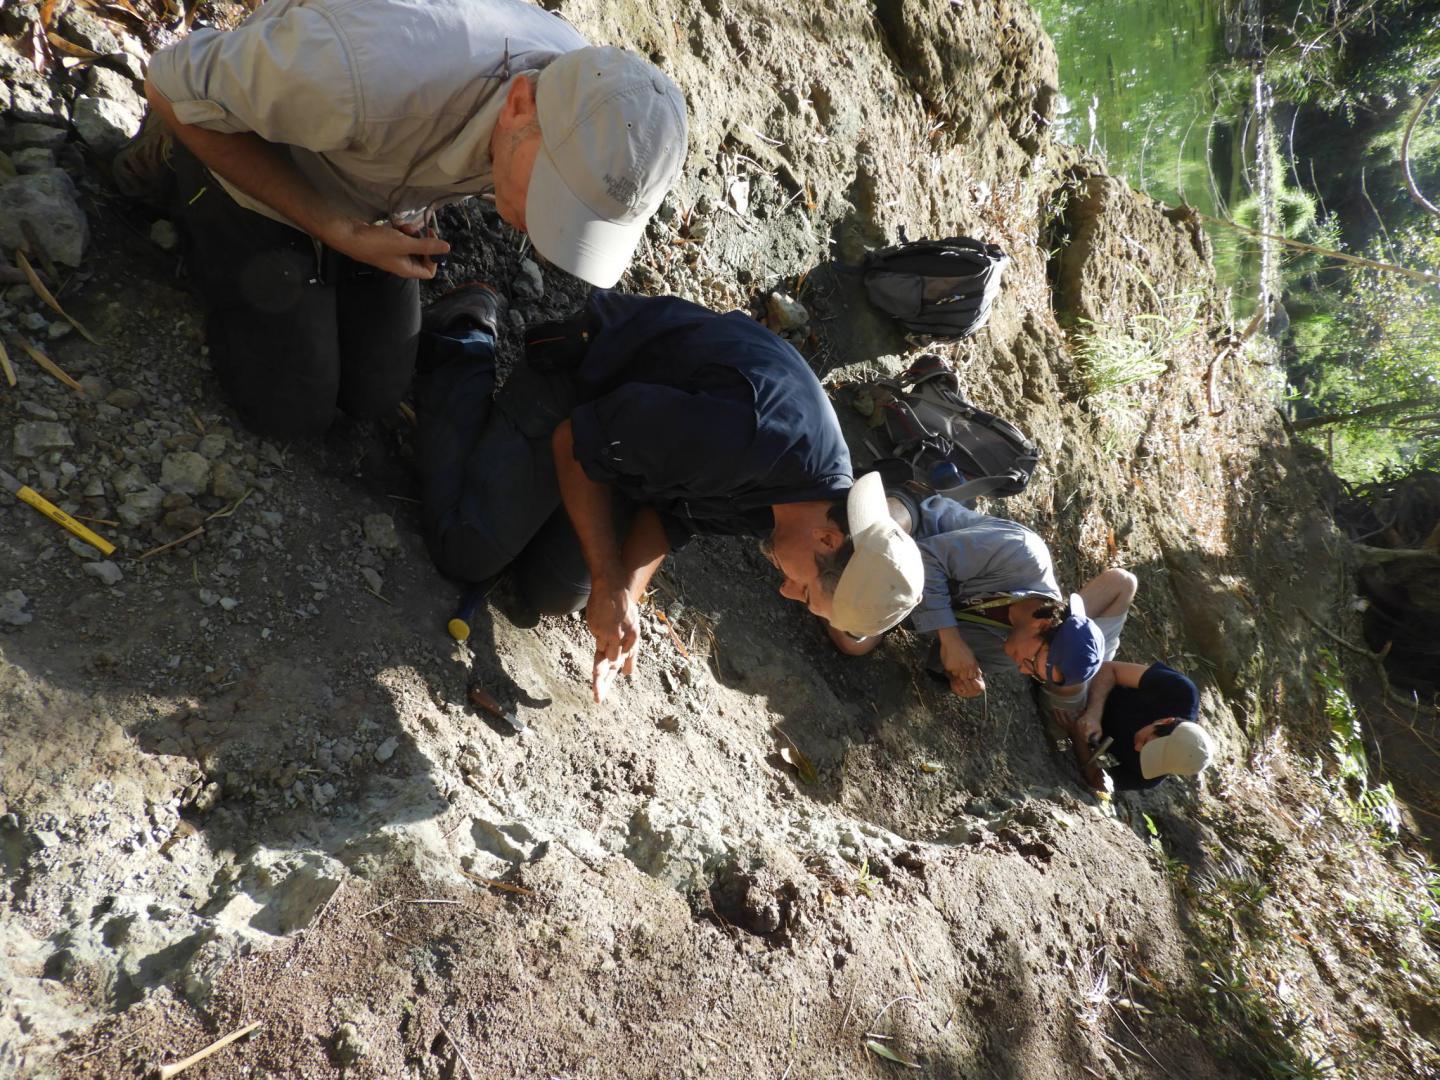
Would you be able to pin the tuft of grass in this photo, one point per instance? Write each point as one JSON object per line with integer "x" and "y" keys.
{"x": 1110, "y": 358}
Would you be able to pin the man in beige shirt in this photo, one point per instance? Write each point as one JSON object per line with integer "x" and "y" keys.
{"x": 317, "y": 140}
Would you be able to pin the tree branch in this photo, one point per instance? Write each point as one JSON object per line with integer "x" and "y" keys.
{"x": 1405, "y": 154}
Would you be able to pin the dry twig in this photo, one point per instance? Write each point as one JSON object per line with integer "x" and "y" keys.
{"x": 199, "y": 530}
{"x": 893, "y": 1001}
{"x": 469, "y": 1072}
{"x": 167, "y": 1071}
{"x": 49, "y": 365}
{"x": 41, "y": 291}
{"x": 503, "y": 886}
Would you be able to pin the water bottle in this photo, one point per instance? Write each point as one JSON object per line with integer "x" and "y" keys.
{"x": 944, "y": 476}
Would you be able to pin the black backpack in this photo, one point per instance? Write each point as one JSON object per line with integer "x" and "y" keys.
{"x": 941, "y": 288}
{"x": 940, "y": 439}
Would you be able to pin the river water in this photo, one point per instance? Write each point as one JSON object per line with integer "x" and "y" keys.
{"x": 1150, "y": 86}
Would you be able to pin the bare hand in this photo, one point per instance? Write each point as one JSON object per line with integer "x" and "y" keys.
{"x": 615, "y": 621}
{"x": 1087, "y": 729}
{"x": 386, "y": 248}
{"x": 958, "y": 659}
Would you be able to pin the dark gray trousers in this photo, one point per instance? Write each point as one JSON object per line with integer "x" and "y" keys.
{"x": 490, "y": 500}
{"x": 296, "y": 331}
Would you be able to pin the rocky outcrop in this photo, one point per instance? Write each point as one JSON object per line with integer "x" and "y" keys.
{"x": 1119, "y": 251}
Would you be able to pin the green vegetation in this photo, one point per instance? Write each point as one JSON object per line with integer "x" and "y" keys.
{"x": 1235, "y": 922}
{"x": 1372, "y": 806}
{"x": 1362, "y": 357}
{"x": 1347, "y": 57}
{"x": 1366, "y": 364}
{"x": 1113, "y": 357}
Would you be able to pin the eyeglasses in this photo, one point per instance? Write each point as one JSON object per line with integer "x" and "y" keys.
{"x": 1034, "y": 662}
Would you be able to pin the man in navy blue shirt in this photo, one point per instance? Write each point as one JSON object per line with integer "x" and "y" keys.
{"x": 1150, "y": 714}
{"x": 630, "y": 427}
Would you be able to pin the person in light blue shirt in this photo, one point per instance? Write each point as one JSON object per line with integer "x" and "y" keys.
{"x": 993, "y": 604}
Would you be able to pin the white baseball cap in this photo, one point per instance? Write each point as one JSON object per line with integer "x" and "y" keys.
{"x": 1184, "y": 752}
{"x": 612, "y": 143}
{"x": 883, "y": 580}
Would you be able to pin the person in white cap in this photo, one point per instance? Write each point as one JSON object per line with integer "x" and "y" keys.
{"x": 867, "y": 574}
{"x": 319, "y": 137}
{"x": 1150, "y": 715}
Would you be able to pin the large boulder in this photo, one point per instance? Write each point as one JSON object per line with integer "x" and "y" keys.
{"x": 105, "y": 125}
{"x": 26, "y": 94}
{"x": 47, "y": 201}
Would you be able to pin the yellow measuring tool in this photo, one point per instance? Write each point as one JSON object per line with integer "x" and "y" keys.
{"x": 54, "y": 513}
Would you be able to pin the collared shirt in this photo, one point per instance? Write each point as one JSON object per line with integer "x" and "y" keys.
{"x": 385, "y": 106}
{"x": 711, "y": 419}
{"x": 970, "y": 557}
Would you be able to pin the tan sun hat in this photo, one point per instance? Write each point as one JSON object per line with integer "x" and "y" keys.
{"x": 612, "y": 143}
{"x": 883, "y": 580}
{"x": 1184, "y": 752}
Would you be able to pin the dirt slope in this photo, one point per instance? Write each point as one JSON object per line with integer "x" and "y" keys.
{"x": 242, "y": 782}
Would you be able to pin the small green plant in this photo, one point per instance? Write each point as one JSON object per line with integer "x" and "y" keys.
{"x": 1371, "y": 805}
{"x": 865, "y": 882}
{"x": 1110, "y": 359}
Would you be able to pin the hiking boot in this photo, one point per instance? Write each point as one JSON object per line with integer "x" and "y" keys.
{"x": 476, "y": 306}
{"x": 141, "y": 169}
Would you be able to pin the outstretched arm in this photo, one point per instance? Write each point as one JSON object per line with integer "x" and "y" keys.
{"x": 617, "y": 577}
{"x": 262, "y": 171}
{"x": 1112, "y": 673}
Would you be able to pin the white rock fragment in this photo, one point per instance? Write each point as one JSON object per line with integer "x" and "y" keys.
{"x": 379, "y": 530}
{"x": 105, "y": 571}
{"x": 85, "y": 551}
{"x": 47, "y": 201}
{"x": 786, "y": 313}
{"x": 35, "y": 437}
{"x": 185, "y": 471}
{"x": 531, "y": 280}
{"x": 106, "y": 125}
{"x": 141, "y": 506}
{"x": 164, "y": 235}
{"x": 12, "y": 608}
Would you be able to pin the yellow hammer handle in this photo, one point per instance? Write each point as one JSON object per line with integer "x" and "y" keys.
{"x": 60, "y": 517}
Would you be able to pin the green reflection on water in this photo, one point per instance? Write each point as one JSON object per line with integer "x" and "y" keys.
{"x": 1139, "y": 85}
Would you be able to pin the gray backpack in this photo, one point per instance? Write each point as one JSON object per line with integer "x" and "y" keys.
{"x": 939, "y": 439}
{"x": 939, "y": 288}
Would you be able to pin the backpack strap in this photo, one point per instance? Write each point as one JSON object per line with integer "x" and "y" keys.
{"x": 981, "y": 485}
